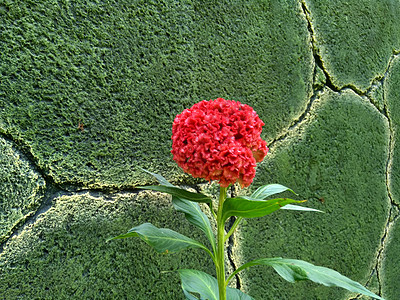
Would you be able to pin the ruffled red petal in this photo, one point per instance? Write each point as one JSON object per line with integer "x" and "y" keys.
{"x": 219, "y": 140}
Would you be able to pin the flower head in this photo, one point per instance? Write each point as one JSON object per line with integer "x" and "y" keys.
{"x": 219, "y": 140}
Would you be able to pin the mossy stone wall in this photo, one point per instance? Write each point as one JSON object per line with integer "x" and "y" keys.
{"x": 88, "y": 93}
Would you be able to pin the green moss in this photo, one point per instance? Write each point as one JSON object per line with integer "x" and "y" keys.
{"x": 243, "y": 53}
{"x": 21, "y": 188}
{"x": 337, "y": 157}
{"x": 91, "y": 89}
{"x": 93, "y": 86}
{"x": 355, "y": 38}
{"x": 64, "y": 253}
{"x": 319, "y": 80}
{"x": 391, "y": 265}
{"x": 377, "y": 96}
{"x": 391, "y": 271}
{"x": 392, "y": 96}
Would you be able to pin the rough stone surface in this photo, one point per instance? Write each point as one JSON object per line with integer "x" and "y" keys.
{"x": 391, "y": 271}
{"x": 391, "y": 265}
{"x": 93, "y": 86}
{"x": 392, "y": 84}
{"x": 355, "y": 38}
{"x": 88, "y": 93}
{"x": 63, "y": 254}
{"x": 338, "y": 156}
{"x": 21, "y": 188}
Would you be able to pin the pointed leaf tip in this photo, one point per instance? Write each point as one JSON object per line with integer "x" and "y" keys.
{"x": 246, "y": 207}
{"x": 300, "y": 208}
{"x": 270, "y": 189}
{"x": 163, "y": 240}
{"x": 159, "y": 178}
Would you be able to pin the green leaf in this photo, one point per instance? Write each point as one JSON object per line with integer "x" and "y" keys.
{"x": 236, "y": 294}
{"x": 269, "y": 189}
{"x": 189, "y": 296}
{"x": 302, "y": 208}
{"x": 295, "y": 270}
{"x": 194, "y": 281}
{"x": 167, "y": 187}
{"x": 192, "y": 210}
{"x": 251, "y": 208}
{"x": 178, "y": 192}
{"x": 195, "y": 216}
{"x": 206, "y": 286}
{"x": 161, "y": 239}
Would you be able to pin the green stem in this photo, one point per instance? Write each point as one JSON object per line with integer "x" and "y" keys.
{"x": 212, "y": 210}
{"x": 237, "y": 221}
{"x": 220, "y": 255}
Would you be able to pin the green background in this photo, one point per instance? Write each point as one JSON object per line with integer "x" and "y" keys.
{"x": 88, "y": 93}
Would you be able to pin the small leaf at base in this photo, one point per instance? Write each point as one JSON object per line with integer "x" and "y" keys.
{"x": 197, "y": 282}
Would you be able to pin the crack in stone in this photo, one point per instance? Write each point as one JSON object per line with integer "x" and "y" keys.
{"x": 230, "y": 251}
{"x": 231, "y": 243}
{"x": 317, "y": 90}
{"x": 53, "y": 190}
{"x": 394, "y": 207}
{"x": 45, "y": 205}
{"x": 392, "y": 217}
{"x": 43, "y": 171}
{"x": 317, "y": 55}
{"x": 26, "y": 150}
{"x": 376, "y": 83}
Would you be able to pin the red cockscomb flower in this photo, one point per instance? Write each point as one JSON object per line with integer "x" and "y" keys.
{"x": 219, "y": 140}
